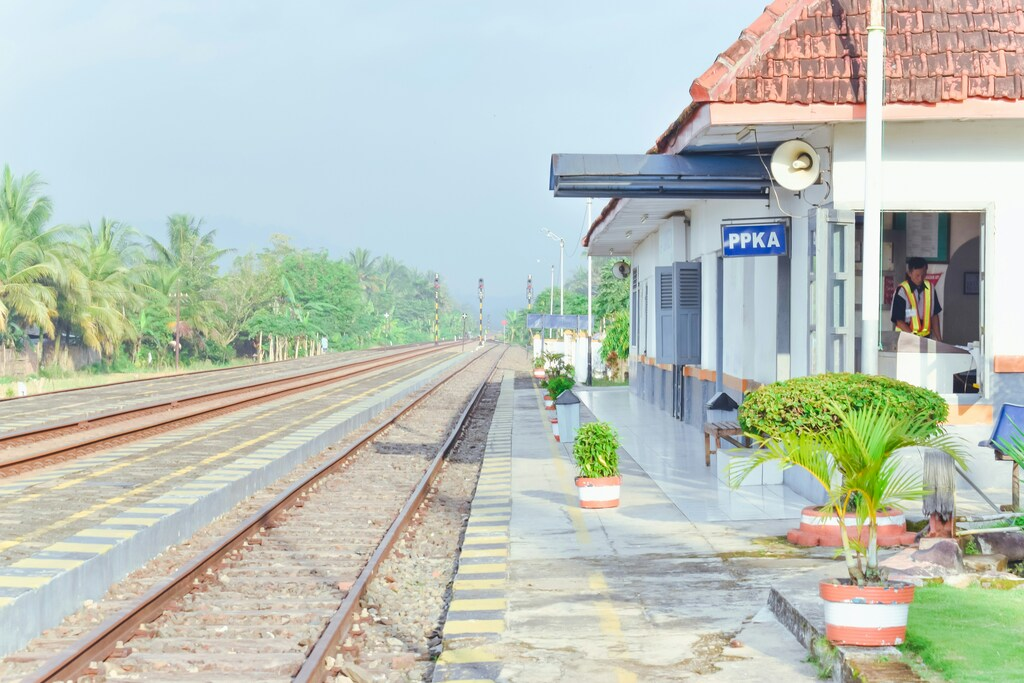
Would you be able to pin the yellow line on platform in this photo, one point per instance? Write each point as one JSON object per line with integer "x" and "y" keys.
{"x": 478, "y": 584}
{"x": 485, "y": 540}
{"x": 37, "y": 563}
{"x": 469, "y": 655}
{"x": 471, "y": 604}
{"x": 463, "y": 626}
{"x": 608, "y": 620}
{"x": 24, "y": 581}
{"x": 486, "y": 568}
{"x": 485, "y": 552}
{"x": 571, "y": 500}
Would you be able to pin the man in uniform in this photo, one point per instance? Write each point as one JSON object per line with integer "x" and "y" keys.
{"x": 915, "y": 305}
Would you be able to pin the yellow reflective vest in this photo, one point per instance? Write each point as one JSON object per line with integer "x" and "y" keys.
{"x": 919, "y": 324}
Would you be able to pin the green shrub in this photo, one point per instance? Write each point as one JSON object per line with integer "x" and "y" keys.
{"x": 596, "y": 450}
{"x": 556, "y": 386}
{"x": 556, "y": 367}
{"x": 801, "y": 405}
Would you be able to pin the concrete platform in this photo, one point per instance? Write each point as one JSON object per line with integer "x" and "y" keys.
{"x": 664, "y": 587}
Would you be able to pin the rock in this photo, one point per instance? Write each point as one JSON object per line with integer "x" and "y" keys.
{"x": 403, "y": 662}
{"x": 912, "y": 565}
{"x": 357, "y": 673}
{"x": 961, "y": 580}
{"x": 1009, "y": 543}
{"x": 985, "y": 563}
{"x": 945, "y": 553}
{"x": 927, "y": 542}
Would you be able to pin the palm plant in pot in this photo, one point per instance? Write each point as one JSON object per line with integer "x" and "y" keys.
{"x": 596, "y": 453}
{"x": 859, "y": 463}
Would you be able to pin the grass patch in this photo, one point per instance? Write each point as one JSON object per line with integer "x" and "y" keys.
{"x": 609, "y": 383}
{"x": 58, "y": 380}
{"x": 968, "y": 635}
{"x": 766, "y": 546}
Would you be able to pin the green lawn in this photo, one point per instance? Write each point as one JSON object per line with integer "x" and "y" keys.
{"x": 609, "y": 383}
{"x": 969, "y": 635}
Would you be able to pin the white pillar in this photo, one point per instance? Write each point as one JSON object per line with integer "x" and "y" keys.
{"x": 871, "y": 259}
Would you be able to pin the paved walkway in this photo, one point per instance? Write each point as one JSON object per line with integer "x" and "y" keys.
{"x": 642, "y": 592}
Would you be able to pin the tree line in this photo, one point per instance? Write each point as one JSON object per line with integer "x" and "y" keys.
{"x": 136, "y": 299}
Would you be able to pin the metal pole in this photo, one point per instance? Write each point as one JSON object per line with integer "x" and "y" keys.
{"x": 720, "y": 326}
{"x": 590, "y": 308}
{"x": 177, "y": 328}
{"x": 481, "y": 285}
{"x": 437, "y": 306}
{"x": 529, "y": 308}
{"x": 872, "y": 191}
{"x": 561, "y": 277}
{"x": 551, "y": 298}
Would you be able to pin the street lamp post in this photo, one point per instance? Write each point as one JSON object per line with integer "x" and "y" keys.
{"x": 387, "y": 329}
{"x": 529, "y": 309}
{"x": 464, "y": 316}
{"x": 561, "y": 269}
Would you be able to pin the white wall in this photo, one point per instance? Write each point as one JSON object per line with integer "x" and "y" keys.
{"x": 949, "y": 166}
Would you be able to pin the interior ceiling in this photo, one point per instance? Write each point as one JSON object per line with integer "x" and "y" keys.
{"x": 637, "y": 218}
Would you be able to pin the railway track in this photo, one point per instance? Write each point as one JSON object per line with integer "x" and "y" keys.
{"x": 275, "y": 597}
{"x": 61, "y": 439}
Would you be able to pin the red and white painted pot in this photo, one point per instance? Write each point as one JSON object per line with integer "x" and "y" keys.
{"x": 554, "y": 428}
{"x": 819, "y": 526}
{"x": 549, "y": 403}
{"x": 539, "y": 373}
{"x": 869, "y": 616}
{"x": 596, "y": 493}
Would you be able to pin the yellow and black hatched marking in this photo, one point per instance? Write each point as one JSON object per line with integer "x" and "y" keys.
{"x": 476, "y": 615}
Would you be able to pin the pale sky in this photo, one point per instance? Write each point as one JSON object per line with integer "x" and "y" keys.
{"x": 419, "y": 129}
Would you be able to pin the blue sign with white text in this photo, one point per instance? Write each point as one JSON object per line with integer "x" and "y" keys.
{"x": 754, "y": 240}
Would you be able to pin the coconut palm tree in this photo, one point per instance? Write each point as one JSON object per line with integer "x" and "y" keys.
{"x": 366, "y": 270}
{"x": 189, "y": 262}
{"x": 28, "y": 268}
{"x": 103, "y": 267}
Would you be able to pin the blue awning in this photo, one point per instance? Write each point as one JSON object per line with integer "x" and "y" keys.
{"x": 695, "y": 175}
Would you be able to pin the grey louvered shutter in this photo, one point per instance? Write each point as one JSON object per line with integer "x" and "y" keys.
{"x": 665, "y": 325}
{"x": 688, "y": 304}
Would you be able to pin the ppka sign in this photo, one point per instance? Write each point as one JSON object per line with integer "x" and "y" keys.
{"x": 768, "y": 239}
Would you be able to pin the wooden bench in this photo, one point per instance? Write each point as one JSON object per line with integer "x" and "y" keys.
{"x": 721, "y": 431}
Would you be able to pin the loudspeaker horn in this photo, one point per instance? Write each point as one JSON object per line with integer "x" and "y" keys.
{"x": 795, "y": 165}
{"x": 620, "y": 269}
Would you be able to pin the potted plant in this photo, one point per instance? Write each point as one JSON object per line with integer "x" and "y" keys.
{"x": 858, "y": 464}
{"x": 538, "y": 367}
{"x": 806, "y": 405}
{"x": 596, "y": 452}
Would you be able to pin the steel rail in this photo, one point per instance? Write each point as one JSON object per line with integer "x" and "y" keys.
{"x": 314, "y": 670}
{"x": 98, "y": 644}
{"x": 172, "y": 402}
{"x": 187, "y": 408}
{"x": 189, "y": 373}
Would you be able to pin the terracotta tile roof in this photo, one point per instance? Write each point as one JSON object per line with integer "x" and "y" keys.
{"x": 815, "y": 52}
{"x": 804, "y": 51}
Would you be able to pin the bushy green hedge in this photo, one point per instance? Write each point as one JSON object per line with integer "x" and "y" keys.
{"x": 801, "y": 405}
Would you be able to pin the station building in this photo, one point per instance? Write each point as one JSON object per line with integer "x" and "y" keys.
{"x": 952, "y": 192}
